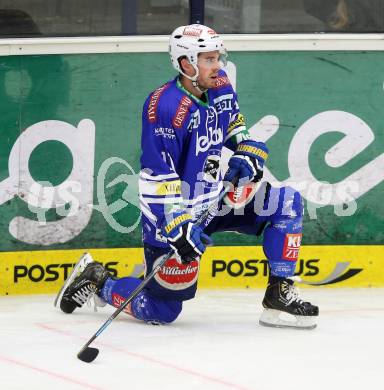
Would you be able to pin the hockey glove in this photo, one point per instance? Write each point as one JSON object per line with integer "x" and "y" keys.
{"x": 247, "y": 163}
{"x": 185, "y": 238}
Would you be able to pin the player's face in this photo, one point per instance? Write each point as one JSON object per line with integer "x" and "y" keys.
{"x": 209, "y": 65}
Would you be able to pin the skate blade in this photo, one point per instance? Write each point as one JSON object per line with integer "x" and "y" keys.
{"x": 84, "y": 260}
{"x": 279, "y": 319}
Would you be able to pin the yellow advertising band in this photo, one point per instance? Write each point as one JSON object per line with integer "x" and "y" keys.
{"x": 43, "y": 272}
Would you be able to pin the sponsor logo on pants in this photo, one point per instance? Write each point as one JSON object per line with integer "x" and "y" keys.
{"x": 176, "y": 276}
{"x": 292, "y": 246}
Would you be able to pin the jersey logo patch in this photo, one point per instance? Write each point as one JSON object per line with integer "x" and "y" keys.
{"x": 176, "y": 276}
{"x": 182, "y": 112}
{"x": 154, "y": 101}
{"x": 213, "y": 132}
{"x": 211, "y": 167}
{"x": 222, "y": 82}
{"x": 292, "y": 246}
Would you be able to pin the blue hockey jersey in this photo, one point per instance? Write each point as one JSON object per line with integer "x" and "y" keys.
{"x": 182, "y": 142}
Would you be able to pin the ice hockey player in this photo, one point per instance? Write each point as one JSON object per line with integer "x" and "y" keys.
{"x": 186, "y": 123}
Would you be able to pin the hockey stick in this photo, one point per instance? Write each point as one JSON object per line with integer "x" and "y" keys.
{"x": 88, "y": 354}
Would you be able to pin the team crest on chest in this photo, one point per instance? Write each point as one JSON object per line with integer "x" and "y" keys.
{"x": 213, "y": 133}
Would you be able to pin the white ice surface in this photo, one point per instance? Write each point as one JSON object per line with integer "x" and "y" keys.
{"x": 216, "y": 343}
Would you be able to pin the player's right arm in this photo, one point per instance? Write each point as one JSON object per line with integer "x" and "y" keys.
{"x": 160, "y": 186}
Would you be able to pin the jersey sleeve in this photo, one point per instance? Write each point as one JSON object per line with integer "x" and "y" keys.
{"x": 237, "y": 129}
{"x": 159, "y": 183}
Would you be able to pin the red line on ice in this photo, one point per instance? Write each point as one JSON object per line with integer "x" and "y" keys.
{"x": 50, "y": 373}
{"x": 177, "y": 368}
{"x": 152, "y": 360}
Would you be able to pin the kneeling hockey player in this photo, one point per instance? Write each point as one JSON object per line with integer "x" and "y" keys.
{"x": 186, "y": 123}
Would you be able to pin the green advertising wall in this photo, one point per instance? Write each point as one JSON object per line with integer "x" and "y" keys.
{"x": 74, "y": 121}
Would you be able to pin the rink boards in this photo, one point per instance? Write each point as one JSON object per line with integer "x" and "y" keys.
{"x": 42, "y": 272}
{"x": 70, "y": 143}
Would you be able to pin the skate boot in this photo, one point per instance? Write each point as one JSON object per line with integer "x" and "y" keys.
{"x": 86, "y": 280}
{"x": 284, "y": 309}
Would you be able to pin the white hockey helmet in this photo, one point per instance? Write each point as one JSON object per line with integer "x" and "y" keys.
{"x": 189, "y": 41}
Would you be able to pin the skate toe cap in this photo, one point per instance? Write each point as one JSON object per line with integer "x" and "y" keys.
{"x": 67, "y": 306}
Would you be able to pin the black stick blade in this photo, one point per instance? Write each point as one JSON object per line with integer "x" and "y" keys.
{"x": 88, "y": 354}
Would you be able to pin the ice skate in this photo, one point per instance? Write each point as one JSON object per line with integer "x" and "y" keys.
{"x": 284, "y": 309}
{"x": 86, "y": 280}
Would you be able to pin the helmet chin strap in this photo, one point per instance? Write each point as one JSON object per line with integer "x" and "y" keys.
{"x": 198, "y": 87}
{"x": 194, "y": 79}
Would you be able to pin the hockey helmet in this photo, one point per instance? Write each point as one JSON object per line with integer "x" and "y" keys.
{"x": 189, "y": 41}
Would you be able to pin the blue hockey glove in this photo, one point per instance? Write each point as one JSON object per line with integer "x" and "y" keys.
{"x": 247, "y": 163}
{"x": 185, "y": 238}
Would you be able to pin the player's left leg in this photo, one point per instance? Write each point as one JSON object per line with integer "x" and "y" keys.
{"x": 281, "y": 210}
{"x": 282, "y": 240}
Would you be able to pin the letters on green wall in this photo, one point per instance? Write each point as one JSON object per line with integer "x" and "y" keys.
{"x": 70, "y": 143}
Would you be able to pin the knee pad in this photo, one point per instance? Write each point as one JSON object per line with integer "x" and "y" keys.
{"x": 151, "y": 309}
{"x": 292, "y": 204}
